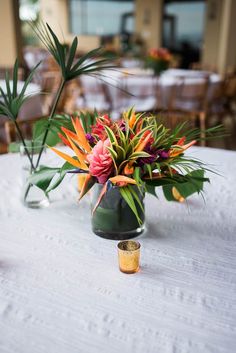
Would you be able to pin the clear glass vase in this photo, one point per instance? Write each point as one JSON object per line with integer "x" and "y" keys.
{"x": 31, "y": 195}
{"x": 113, "y": 218}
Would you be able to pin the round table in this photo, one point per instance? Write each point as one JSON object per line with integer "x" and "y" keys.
{"x": 61, "y": 289}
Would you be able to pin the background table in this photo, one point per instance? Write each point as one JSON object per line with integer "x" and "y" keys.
{"x": 137, "y": 87}
{"x": 61, "y": 290}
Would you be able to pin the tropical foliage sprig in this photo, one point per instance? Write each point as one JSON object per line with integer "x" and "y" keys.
{"x": 136, "y": 150}
{"x": 71, "y": 67}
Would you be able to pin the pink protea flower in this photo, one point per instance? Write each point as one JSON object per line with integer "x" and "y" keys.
{"x": 100, "y": 161}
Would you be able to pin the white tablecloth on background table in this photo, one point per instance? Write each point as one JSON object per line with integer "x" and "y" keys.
{"x": 138, "y": 88}
{"x": 61, "y": 290}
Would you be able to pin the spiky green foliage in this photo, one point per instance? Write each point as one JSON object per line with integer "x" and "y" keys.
{"x": 12, "y": 100}
{"x": 71, "y": 67}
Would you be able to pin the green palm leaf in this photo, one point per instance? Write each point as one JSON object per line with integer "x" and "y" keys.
{"x": 15, "y": 79}
{"x": 57, "y": 49}
{"x": 128, "y": 197}
{"x": 12, "y": 101}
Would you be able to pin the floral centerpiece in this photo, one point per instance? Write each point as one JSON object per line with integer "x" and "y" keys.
{"x": 123, "y": 160}
{"x": 158, "y": 60}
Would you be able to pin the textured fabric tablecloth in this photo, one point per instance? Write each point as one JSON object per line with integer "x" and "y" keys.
{"x": 61, "y": 290}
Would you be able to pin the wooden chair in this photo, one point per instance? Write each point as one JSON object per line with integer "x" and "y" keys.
{"x": 230, "y": 89}
{"x": 192, "y": 98}
{"x": 203, "y": 67}
{"x": 21, "y": 73}
{"x": 172, "y": 117}
{"x": 69, "y": 101}
{"x": 26, "y": 127}
{"x": 221, "y": 107}
{"x": 50, "y": 82}
{"x": 3, "y": 148}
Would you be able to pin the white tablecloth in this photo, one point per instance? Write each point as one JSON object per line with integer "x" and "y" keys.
{"x": 138, "y": 87}
{"x": 61, "y": 290}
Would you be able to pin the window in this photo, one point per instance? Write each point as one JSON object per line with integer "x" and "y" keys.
{"x": 101, "y": 17}
{"x": 183, "y": 22}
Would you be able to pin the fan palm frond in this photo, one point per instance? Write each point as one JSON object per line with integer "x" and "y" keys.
{"x": 12, "y": 100}
{"x": 70, "y": 66}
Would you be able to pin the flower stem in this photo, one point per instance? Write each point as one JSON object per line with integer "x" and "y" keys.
{"x": 24, "y": 144}
{"x": 59, "y": 92}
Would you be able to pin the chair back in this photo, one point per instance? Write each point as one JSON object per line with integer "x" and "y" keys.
{"x": 172, "y": 117}
{"x": 50, "y": 81}
{"x": 230, "y": 86}
{"x": 191, "y": 94}
{"x": 26, "y": 127}
{"x": 21, "y": 73}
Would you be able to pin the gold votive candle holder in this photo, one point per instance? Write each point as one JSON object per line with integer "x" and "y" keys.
{"x": 129, "y": 256}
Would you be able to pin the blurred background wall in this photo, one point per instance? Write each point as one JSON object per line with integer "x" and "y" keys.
{"x": 201, "y": 30}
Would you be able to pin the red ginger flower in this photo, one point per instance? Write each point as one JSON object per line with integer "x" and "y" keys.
{"x": 101, "y": 164}
{"x": 99, "y": 128}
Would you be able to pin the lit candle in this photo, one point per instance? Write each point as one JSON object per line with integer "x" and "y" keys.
{"x": 129, "y": 255}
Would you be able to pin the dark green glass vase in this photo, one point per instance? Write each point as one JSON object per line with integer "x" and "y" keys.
{"x": 113, "y": 218}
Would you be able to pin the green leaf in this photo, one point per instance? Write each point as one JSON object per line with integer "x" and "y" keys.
{"x": 113, "y": 153}
{"x": 84, "y": 58}
{"x": 140, "y": 154}
{"x": 127, "y": 196}
{"x": 137, "y": 175}
{"x": 7, "y": 81}
{"x": 111, "y": 135}
{"x": 151, "y": 190}
{"x": 43, "y": 177}
{"x": 120, "y": 152}
{"x": 15, "y": 79}
{"x": 5, "y": 97}
{"x": 88, "y": 119}
{"x": 27, "y": 81}
{"x": 194, "y": 183}
{"x": 60, "y": 52}
{"x": 39, "y": 129}
{"x": 135, "y": 196}
{"x": 72, "y": 53}
{"x": 62, "y": 173}
{"x": 149, "y": 168}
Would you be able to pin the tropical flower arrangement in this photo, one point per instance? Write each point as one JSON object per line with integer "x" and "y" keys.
{"x": 124, "y": 160}
{"x": 158, "y": 60}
